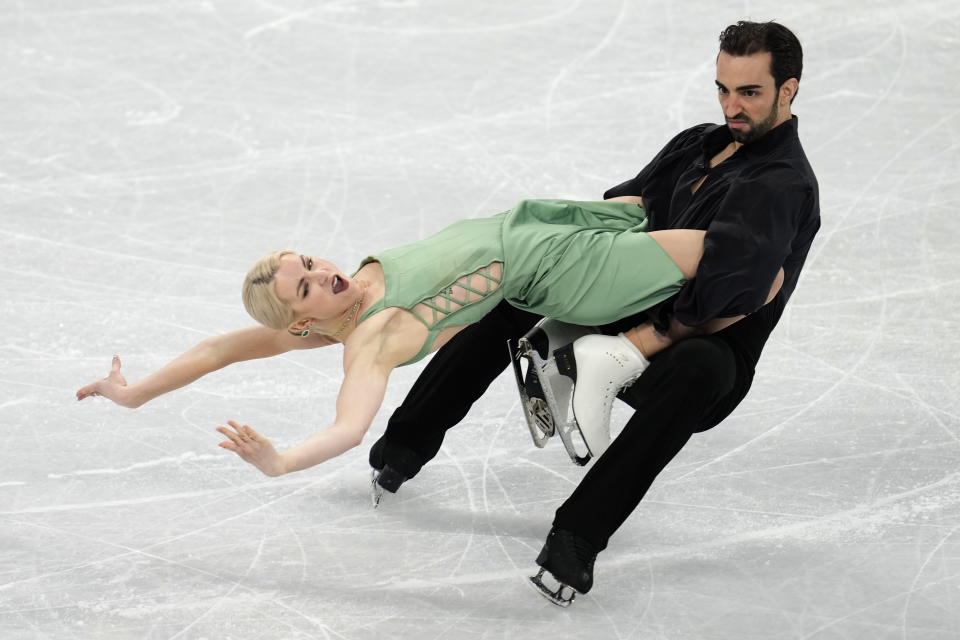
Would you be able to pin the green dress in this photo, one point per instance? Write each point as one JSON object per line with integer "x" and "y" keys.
{"x": 586, "y": 263}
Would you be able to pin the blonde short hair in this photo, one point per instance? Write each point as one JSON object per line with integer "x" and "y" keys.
{"x": 260, "y": 296}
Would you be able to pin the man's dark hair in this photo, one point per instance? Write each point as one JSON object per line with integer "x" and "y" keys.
{"x": 786, "y": 55}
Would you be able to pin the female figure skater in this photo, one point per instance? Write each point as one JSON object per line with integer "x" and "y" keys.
{"x": 587, "y": 263}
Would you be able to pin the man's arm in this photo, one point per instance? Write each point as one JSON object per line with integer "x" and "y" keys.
{"x": 650, "y": 341}
{"x": 745, "y": 247}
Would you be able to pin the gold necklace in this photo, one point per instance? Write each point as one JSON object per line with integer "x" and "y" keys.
{"x": 356, "y": 305}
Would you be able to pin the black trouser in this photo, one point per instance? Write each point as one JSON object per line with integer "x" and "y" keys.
{"x": 688, "y": 387}
{"x": 456, "y": 376}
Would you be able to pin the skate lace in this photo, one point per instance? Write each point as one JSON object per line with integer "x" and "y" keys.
{"x": 629, "y": 381}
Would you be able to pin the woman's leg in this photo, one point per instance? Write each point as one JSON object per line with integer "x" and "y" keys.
{"x": 684, "y": 246}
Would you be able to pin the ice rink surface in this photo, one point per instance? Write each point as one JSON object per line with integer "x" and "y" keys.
{"x": 150, "y": 151}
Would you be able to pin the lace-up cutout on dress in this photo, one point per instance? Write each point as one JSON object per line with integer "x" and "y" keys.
{"x": 463, "y": 292}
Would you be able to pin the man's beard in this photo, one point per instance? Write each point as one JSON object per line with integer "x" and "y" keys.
{"x": 756, "y": 130}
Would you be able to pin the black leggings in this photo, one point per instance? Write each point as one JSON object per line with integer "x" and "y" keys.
{"x": 688, "y": 387}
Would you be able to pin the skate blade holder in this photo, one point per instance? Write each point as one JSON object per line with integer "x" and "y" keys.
{"x": 536, "y": 411}
{"x": 376, "y": 491}
{"x": 574, "y": 443}
{"x": 545, "y": 394}
{"x": 386, "y": 479}
{"x": 562, "y": 595}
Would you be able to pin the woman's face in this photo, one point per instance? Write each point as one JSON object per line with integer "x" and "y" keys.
{"x": 314, "y": 288}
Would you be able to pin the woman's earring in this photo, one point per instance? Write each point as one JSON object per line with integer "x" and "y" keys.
{"x": 305, "y": 333}
{"x": 302, "y": 334}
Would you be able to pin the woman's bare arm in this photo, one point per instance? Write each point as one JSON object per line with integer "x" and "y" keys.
{"x": 361, "y": 395}
{"x": 205, "y": 357}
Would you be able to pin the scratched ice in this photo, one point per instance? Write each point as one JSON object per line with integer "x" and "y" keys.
{"x": 151, "y": 151}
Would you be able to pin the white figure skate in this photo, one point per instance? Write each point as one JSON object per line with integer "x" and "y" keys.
{"x": 598, "y": 366}
{"x": 545, "y": 393}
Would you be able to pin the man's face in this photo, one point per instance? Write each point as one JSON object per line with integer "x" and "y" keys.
{"x": 748, "y": 95}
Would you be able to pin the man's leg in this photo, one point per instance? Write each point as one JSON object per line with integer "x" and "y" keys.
{"x": 456, "y": 376}
{"x": 689, "y": 387}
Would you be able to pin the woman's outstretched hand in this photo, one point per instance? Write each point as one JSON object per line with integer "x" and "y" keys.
{"x": 113, "y": 387}
{"x": 252, "y": 447}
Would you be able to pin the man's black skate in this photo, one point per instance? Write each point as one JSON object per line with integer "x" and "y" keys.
{"x": 386, "y": 479}
{"x": 569, "y": 560}
{"x": 392, "y": 465}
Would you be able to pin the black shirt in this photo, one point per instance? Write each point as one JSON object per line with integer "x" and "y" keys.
{"x": 760, "y": 208}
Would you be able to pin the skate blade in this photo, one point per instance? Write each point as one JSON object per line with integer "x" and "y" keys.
{"x": 569, "y": 431}
{"x": 562, "y": 596}
{"x": 535, "y": 410}
{"x": 376, "y": 491}
{"x": 548, "y": 392}
{"x": 555, "y": 388}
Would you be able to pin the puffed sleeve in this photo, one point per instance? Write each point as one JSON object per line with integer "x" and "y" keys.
{"x": 745, "y": 245}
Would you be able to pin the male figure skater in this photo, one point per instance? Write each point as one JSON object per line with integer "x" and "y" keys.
{"x": 746, "y": 182}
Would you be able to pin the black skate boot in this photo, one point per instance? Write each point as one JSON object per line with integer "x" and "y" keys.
{"x": 569, "y": 560}
{"x": 386, "y": 479}
{"x": 388, "y": 476}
